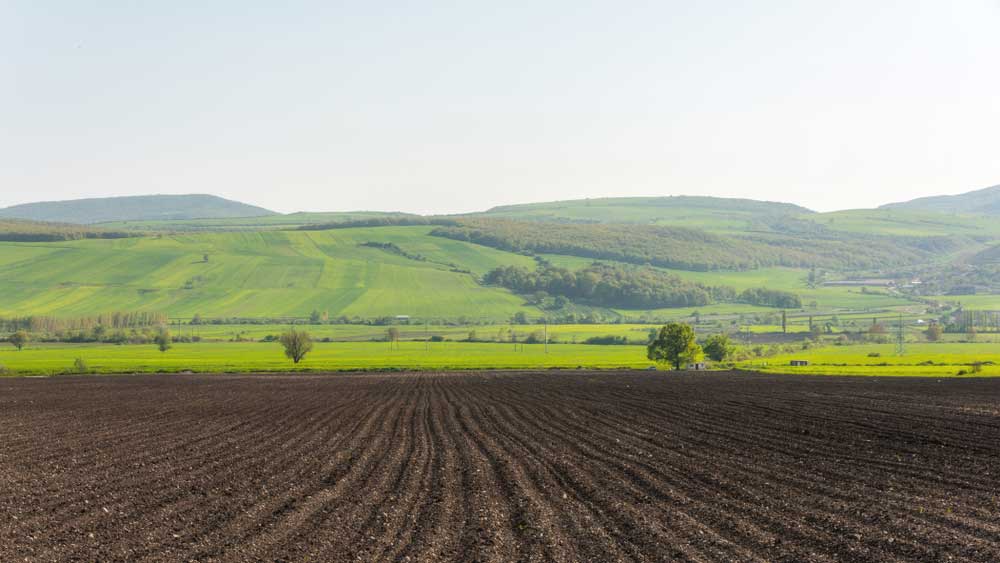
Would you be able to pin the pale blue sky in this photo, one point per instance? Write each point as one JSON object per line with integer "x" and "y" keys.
{"x": 458, "y": 106}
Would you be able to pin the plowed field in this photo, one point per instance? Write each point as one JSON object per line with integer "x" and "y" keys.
{"x": 551, "y": 466}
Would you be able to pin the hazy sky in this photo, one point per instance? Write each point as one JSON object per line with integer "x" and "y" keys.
{"x": 456, "y": 106}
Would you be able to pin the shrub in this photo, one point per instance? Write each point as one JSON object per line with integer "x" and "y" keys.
{"x": 80, "y": 366}
{"x": 163, "y": 340}
{"x": 608, "y": 340}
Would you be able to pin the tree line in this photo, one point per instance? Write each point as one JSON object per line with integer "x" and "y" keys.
{"x": 32, "y": 231}
{"x": 630, "y": 287}
{"x": 115, "y": 320}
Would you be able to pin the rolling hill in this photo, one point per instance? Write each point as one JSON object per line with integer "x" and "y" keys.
{"x": 258, "y": 274}
{"x": 979, "y": 202}
{"x": 375, "y": 264}
{"x": 133, "y": 208}
{"x": 708, "y": 213}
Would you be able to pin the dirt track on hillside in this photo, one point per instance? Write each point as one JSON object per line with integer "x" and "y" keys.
{"x": 552, "y": 466}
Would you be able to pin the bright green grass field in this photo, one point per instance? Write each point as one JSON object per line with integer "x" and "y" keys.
{"x": 258, "y": 357}
{"x": 905, "y": 223}
{"x": 257, "y": 274}
{"x": 947, "y": 358}
{"x": 990, "y": 302}
{"x": 575, "y": 333}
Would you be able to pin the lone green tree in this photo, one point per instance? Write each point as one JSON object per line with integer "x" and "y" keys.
{"x": 19, "y": 339}
{"x": 717, "y": 347}
{"x": 163, "y": 340}
{"x": 297, "y": 344}
{"x": 674, "y": 344}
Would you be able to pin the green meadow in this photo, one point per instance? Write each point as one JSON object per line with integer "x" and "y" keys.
{"x": 257, "y": 274}
{"x": 241, "y": 357}
{"x": 918, "y": 359}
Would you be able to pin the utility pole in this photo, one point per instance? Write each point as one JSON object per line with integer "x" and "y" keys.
{"x": 546, "y": 338}
{"x": 427, "y": 336}
{"x": 900, "y": 338}
{"x": 784, "y": 321}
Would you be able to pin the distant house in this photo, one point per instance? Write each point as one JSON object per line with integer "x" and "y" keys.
{"x": 697, "y": 366}
{"x": 799, "y": 362}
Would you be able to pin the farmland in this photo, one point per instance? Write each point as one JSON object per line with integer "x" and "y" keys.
{"x": 262, "y": 357}
{"x": 920, "y": 359}
{"x": 569, "y": 466}
{"x": 255, "y": 274}
{"x": 291, "y": 273}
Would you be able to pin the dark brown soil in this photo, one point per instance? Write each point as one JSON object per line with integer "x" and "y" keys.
{"x": 551, "y": 466}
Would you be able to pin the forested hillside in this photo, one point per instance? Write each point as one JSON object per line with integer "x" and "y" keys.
{"x": 691, "y": 249}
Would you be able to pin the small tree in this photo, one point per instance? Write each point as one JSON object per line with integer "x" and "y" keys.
{"x": 19, "y": 339}
{"x": 674, "y": 344}
{"x": 933, "y": 332}
{"x": 392, "y": 335}
{"x": 717, "y": 347}
{"x": 163, "y": 340}
{"x": 297, "y": 344}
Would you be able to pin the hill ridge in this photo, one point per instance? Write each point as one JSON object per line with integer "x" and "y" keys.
{"x": 133, "y": 208}
{"x": 985, "y": 201}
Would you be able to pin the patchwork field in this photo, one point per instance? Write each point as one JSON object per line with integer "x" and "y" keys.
{"x": 258, "y": 274}
{"x": 274, "y": 274}
{"x": 920, "y": 359}
{"x": 499, "y": 467}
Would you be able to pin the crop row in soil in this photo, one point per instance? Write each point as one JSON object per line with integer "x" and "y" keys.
{"x": 553, "y": 466}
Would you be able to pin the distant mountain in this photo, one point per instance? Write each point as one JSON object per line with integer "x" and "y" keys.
{"x": 711, "y": 213}
{"x": 134, "y": 208}
{"x": 979, "y": 202}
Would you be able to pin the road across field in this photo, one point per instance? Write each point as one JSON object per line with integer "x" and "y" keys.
{"x": 552, "y": 466}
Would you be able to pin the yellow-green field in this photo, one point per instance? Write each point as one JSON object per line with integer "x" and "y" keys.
{"x": 268, "y": 357}
{"x": 945, "y": 359}
{"x": 938, "y": 359}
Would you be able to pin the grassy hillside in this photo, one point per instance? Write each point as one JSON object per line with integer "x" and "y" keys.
{"x": 259, "y": 274}
{"x": 133, "y": 208}
{"x": 276, "y": 221}
{"x": 709, "y": 213}
{"x": 906, "y": 222}
{"x": 271, "y": 274}
{"x": 979, "y": 202}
